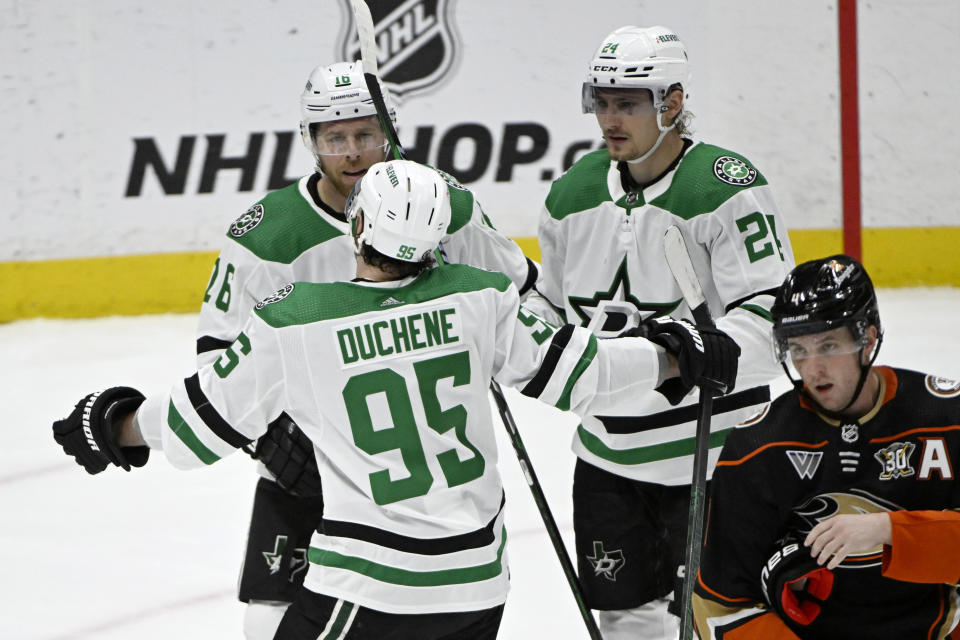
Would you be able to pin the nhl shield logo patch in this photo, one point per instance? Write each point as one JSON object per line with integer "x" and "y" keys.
{"x": 734, "y": 171}
{"x": 248, "y": 221}
{"x": 276, "y": 296}
{"x": 416, "y": 46}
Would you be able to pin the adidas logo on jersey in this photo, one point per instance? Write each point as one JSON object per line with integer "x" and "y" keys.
{"x": 390, "y": 302}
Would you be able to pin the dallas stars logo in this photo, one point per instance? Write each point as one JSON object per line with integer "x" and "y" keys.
{"x": 734, "y": 171}
{"x": 298, "y": 559}
{"x": 606, "y": 563}
{"x": 611, "y": 304}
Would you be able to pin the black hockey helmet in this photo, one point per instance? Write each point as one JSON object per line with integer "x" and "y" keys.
{"x": 821, "y": 295}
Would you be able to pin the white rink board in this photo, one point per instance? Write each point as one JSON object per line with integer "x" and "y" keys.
{"x": 81, "y": 81}
{"x": 155, "y": 554}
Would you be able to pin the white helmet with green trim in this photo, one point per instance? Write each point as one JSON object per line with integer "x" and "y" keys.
{"x": 631, "y": 57}
{"x": 337, "y": 92}
{"x": 651, "y": 58}
{"x": 405, "y": 206}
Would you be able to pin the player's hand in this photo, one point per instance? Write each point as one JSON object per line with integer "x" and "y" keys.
{"x": 89, "y": 432}
{"x": 288, "y": 454}
{"x": 837, "y": 537}
{"x": 793, "y": 584}
{"x": 705, "y": 356}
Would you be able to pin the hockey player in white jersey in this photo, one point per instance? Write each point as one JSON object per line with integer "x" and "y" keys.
{"x": 601, "y": 237}
{"x": 388, "y": 376}
{"x": 300, "y": 233}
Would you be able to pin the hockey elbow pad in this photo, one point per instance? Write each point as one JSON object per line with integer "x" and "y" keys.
{"x": 88, "y": 433}
{"x": 793, "y": 584}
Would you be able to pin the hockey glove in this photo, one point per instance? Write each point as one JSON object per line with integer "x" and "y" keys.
{"x": 288, "y": 454}
{"x": 706, "y": 357}
{"x": 89, "y": 433}
{"x": 793, "y": 584}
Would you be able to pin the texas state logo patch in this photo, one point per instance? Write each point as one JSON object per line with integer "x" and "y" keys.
{"x": 734, "y": 171}
{"x": 942, "y": 387}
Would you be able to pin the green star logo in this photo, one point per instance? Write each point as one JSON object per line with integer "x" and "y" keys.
{"x": 618, "y": 304}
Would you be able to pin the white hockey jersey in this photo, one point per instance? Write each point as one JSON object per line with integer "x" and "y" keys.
{"x": 290, "y": 236}
{"x": 602, "y": 253}
{"x": 390, "y": 382}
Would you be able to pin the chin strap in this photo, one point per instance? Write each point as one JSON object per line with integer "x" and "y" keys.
{"x": 663, "y": 133}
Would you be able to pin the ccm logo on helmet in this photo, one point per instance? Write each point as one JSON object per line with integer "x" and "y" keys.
{"x": 601, "y": 67}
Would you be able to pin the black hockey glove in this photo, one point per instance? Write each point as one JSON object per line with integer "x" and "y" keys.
{"x": 793, "y": 584}
{"x": 706, "y": 357}
{"x": 89, "y": 433}
{"x": 288, "y": 454}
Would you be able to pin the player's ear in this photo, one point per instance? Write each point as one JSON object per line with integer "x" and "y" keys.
{"x": 868, "y": 349}
{"x": 672, "y": 103}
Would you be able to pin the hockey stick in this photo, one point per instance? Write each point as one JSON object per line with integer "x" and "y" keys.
{"x": 678, "y": 259}
{"x": 368, "y": 55}
{"x": 538, "y": 496}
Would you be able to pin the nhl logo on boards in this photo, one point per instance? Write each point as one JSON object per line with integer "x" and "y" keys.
{"x": 248, "y": 221}
{"x": 734, "y": 171}
{"x": 276, "y": 296}
{"x": 942, "y": 387}
{"x": 416, "y": 47}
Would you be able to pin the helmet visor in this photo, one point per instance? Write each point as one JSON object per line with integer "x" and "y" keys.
{"x": 620, "y": 101}
{"x": 344, "y": 141}
{"x": 794, "y": 346}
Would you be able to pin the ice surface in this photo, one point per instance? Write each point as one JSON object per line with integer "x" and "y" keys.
{"x": 155, "y": 553}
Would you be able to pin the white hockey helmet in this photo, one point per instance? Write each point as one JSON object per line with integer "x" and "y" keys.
{"x": 406, "y": 209}
{"x": 631, "y": 57}
{"x": 337, "y": 92}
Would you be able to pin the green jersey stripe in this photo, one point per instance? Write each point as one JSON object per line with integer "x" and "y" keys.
{"x": 340, "y": 621}
{"x": 183, "y": 431}
{"x": 649, "y": 453}
{"x": 407, "y": 578}
{"x": 760, "y": 311}
{"x": 585, "y": 359}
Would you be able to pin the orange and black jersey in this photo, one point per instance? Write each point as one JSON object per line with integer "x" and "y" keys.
{"x": 792, "y": 468}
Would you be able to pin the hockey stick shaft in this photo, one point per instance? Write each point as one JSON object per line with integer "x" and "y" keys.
{"x": 678, "y": 259}
{"x": 541, "y": 500}
{"x": 368, "y": 55}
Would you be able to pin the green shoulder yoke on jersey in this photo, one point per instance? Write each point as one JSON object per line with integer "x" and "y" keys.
{"x": 282, "y": 226}
{"x": 582, "y": 187}
{"x": 707, "y": 177}
{"x": 308, "y": 302}
{"x": 461, "y": 202}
